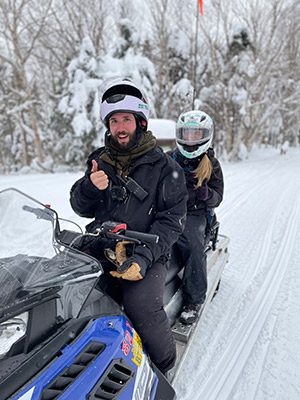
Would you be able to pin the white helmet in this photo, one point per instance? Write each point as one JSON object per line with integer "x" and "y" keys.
{"x": 194, "y": 133}
{"x": 122, "y": 95}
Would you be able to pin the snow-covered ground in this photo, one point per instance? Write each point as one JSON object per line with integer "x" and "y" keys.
{"x": 247, "y": 344}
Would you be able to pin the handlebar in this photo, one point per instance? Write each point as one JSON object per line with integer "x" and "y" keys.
{"x": 108, "y": 229}
{"x": 69, "y": 237}
{"x": 142, "y": 237}
{"x": 117, "y": 230}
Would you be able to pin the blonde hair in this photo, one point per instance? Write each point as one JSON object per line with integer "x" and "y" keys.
{"x": 203, "y": 170}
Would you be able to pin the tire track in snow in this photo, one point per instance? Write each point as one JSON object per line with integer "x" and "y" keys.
{"x": 222, "y": 381}
{"x": 210, "y": 348}
{"x": 234, "y": 293}
{"x": 260, "y": 248}
{"x": 243, "y": 194}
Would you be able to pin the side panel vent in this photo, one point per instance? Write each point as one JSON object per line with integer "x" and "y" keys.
{"x": 116, "y": 378}
{"x": 68, "y": 375}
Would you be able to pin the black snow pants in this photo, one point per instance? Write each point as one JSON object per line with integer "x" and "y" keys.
{"x": 191, "y": 246}
{"x": 143, "y": 304}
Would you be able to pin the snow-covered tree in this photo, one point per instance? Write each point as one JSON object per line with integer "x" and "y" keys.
{"x": 225, "y": 89}
{"x": 127, "y": 57}
{"x": 289, "y": 76}
{"x": 7, "y": 158}
{"x": 21, "y": 28}
{"x": 77, "y": 119}
{"x": 243, "y": 88}
{"x": 171, "y": 52}
{"x": 239, "y": 62}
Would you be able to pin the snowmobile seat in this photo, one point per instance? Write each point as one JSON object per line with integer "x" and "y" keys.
{"x": 173, "y": 281}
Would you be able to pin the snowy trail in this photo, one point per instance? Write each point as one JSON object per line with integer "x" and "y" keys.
{"x": 233, "y": 345}
{"x": 246, "y": 346}
{"x": 242, "y": 341}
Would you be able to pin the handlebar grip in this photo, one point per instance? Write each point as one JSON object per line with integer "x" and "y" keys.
{"x": 143, "y": 237}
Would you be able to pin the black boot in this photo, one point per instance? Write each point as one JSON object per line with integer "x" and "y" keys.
{"x": 190, "y": 313}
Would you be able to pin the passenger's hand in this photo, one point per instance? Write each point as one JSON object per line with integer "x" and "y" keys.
{"x": 98, "y": 178}
{"x": 202, "y": 192}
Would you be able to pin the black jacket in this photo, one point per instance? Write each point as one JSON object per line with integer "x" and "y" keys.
{"x": 162, "y": 212}
{"x": 215, "y": 183}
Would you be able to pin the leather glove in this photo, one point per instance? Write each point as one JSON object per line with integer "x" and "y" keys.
{"x": 118, "y": 256}
{"x": 121, "y": 252}
{"x": 133, "y": 268}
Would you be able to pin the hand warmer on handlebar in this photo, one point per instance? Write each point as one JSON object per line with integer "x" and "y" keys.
{"x": 96, "y": 246}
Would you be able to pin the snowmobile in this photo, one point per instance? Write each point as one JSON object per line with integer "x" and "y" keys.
{"x": 61, "y": 335}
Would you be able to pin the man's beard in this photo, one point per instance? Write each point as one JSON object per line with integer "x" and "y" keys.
{"x": 124, "y": 146}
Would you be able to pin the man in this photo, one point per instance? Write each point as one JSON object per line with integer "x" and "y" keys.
{"x": 131, "y": 180}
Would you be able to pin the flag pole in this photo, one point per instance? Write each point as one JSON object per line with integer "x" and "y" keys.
{"x": 199, "y": 5}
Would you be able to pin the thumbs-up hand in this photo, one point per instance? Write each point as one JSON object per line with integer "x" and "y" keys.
{"x": 98, "y": 178}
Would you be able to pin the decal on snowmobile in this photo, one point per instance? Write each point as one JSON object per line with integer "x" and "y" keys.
{"x": 28, "y": 395}
{"x": 137, "y": 349}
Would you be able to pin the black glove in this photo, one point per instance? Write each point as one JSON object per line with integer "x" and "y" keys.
{"x": 201, "y": 193}
{"x": 190, "y": 180}
{"x": 95, "y": 246}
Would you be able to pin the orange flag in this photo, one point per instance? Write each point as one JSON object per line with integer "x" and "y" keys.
{"x": 201, "y": 7}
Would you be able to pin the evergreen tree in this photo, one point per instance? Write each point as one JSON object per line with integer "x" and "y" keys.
{"x": 226, "y": 94}
{"x": 77, "y": 120}
{"x": 127, "y": 58}
{"x": 180, "y": 95}
{"x": 13, "y": 141}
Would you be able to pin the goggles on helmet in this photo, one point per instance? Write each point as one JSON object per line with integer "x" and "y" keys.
{"x": 124, "y": 103}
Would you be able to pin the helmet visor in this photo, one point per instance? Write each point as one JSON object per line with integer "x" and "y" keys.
{"x": 192, "y": 136}
{"x": 115, "y": 98}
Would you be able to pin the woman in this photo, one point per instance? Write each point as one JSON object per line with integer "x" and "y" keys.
{"x": 204, "y": 178}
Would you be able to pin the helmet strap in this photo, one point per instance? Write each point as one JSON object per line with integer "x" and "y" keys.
{"x": 142, "y": 123}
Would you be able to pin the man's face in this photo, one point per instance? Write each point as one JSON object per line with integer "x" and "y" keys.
{"x": 122, "y": 127}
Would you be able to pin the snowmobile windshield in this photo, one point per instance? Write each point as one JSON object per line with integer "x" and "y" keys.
{"x": 33, "y": 265}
